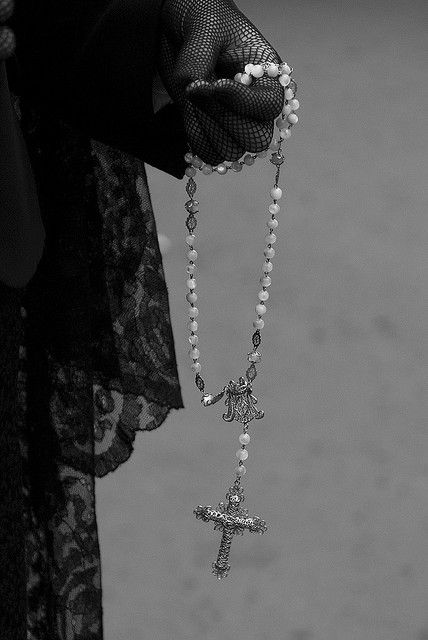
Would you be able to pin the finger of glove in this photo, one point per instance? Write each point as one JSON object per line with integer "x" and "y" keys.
{"x": 241, "y": 133}
{"x": 263, "y": 100}
{"x": 198, "y": 55}
{"x": 208, "y": 146}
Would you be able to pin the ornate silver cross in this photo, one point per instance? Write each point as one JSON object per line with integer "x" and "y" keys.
{"x": 232, "y": 520}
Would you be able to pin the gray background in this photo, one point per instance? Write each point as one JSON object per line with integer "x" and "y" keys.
{"x": 339, "y": 466}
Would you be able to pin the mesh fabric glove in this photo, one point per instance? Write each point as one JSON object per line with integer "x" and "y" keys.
{"x": 203, "y": 45}
{"x": 7, "y": 37}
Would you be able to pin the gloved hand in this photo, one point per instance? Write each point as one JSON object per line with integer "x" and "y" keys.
{"x": 204, "y": 44}
{"x": 7, "y": 37}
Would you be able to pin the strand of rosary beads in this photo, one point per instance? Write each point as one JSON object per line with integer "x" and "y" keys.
{"x": 232, "y": 519}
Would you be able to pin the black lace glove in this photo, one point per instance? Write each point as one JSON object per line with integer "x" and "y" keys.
{"x": 7, "y": 37}
{"x": 204, "y": 44}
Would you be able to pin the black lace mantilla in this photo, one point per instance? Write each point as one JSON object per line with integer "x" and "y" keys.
{"x": 96, "y": 363}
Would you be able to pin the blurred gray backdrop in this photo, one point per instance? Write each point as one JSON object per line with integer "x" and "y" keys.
{"x": 339, "y": 466}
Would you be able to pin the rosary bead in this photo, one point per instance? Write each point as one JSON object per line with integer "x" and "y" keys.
{"x": 244, "y": 438}
{"x": 265, "y": 281}
{"x": 294, "y": 104}
{"x": 289, "y": 93}
{"x": 194, "y": 353}
{"x": 270, "y": 238}
{"x": 284, "y": 68}
{"x": 197, "y": 162}
{"x": 192, "y": 325}
{"x": 274, "y": 145}
{"x": 191, "y": 239}
{"x": 249, "y": 160}
{"x": 207, "y": 170}
{"x": 238, "y": 77}
{"x": 192, "y": 206}
{"x": 193, "y": 312}
{"x": 242, "y": 454}
{"x": 248, "y": 68}
{"x": 285, "y": 134}
{"x": 269, "y": 252}
{"x": 272, "y": 70}
{"x": 272, "y": 223}
{"x": 284, "y": 80}
{"x": 222, "y": 169}
{"x": 191, "y": 268}
{"x": 191, "y": 283}
{"x": 192, "y": 255}
{"x": 268, "y": 266}
{"x": 274, "y": 209}
{"x": 188, "y": 157}
{"x": 263, "y": 295}
{"x": 293, "y": 118}
{"x": 241, "y": 470}
{"x": 193, "y": 339}
{"x": 280, "y": 123}
{"x": 276, "y": 193}
{"x": 257, "y": 71}
{"x": 236, "y": 166}
{"x": 286, "y": 112}
{"x": 196, "y": 367}
{"x": 246, "y": 79}
{"x": 191, "y": 297}
{"x": 260, "y": 309}
{"x": 259, "y": 323}
{"x": 190, "y": 172}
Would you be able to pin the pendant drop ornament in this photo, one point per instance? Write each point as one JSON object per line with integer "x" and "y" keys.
{"x": 241, "y": 405}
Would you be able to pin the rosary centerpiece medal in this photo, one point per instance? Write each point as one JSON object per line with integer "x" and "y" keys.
{"x": 241, "y": 405}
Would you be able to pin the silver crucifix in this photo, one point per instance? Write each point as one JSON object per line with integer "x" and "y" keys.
{"x": 232, "y": 520}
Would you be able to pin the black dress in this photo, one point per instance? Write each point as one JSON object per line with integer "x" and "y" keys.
{"x": 87, "y": 350}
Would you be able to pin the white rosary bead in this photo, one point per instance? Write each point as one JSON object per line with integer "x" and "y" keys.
{"x": 257, "y": 71}
{"x": 236, "y": 166}
{"x": 272, "y": 70}
{"x": 191, "y": 239}
{"x": 192, "y": 255}
{"x": 190, "y": 172}
{"x": 238, "y": 77}
{"x": 267, "y": 266}
{"x": 294, "y": 104}
{"x": 191, "y": 283}
{"x": 274, "y": 209}
{"x": 197, "y": 162}
{"x": 274, "y": 145}
{"x": 193, "y": 312}
{"x": 272, "y": 223}
{"x": 276, "y": 193}
{"x": 270, "y": 238}
{"x": 192, "y": 325}
{"x": 263, "y": 295}
{"x": 248, "y": 68}
{"x": 194, "y": 353}
{"x": 242, "y": 454}
{"x": 285, "y": 112}
{"x": 260, "y": 309}
{"x": 265, "y": 281}
{"x": 285, "y": 134}
{"x": 191, "y": 268}
{"x": 282, "y": 124}
{"x": 259, "y": 323}
{"x": 246, "y": 79}
{"x": 241, "y": 470}
{"x": 244, "y": 438}
{"x": 207, "y": 169}
{"x": 191, "y": 297}
{"x": 222, "y": 169}
{"x": 284, "y": 80}
{"x": 249, "y": 160}
{"x": 289, "y": 94}
{"x": 293, "y": 118}
{"x": 188, "y": 157}
{"x": 269, "y": 252}
{"x": 193, "y": 339}
{"x": 196, "y": 367}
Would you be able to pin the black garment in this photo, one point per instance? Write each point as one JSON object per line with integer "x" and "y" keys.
{"x": 86, "y": 348}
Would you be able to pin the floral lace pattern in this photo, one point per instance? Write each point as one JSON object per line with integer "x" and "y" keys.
{"x": 96, "y": 363}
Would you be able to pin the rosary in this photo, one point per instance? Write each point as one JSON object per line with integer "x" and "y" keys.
{"x": 232, "y": 519}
